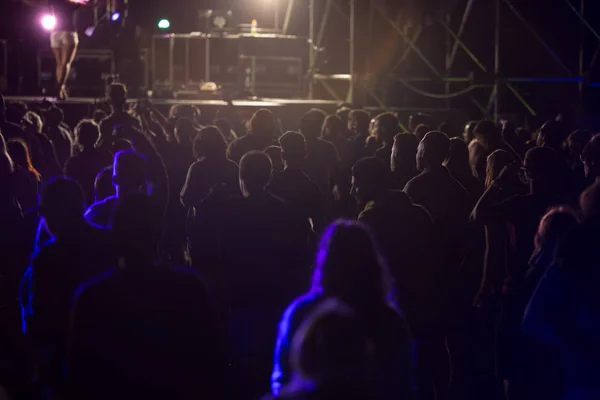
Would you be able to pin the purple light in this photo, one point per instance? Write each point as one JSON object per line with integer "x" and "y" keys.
{"x": 115, "y": 17}
{"x": 48, "y": 22}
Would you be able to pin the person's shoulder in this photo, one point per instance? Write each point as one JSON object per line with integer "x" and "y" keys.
{"x": 300, "y": 306}
{"x": 90, "y": 289}
{"x": 99, "y": 211}
{"x": 416, "y": 181}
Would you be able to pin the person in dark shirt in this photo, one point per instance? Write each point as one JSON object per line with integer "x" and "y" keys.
{"x": 89, "y": 161}
{"x": 349, "y": 267}
{"x": 358, "y": 125}
{"x": 41, "y": 148}
{"x": 385, "y": 127}
{"x": 116, "y": 94}
{"x": 403, "y": 161}
{"x": 274, "y": 153}
{"x": 333, "y": 131}
{"x": 293, "y": 186}
{"x": 130, "y": 176}
{"x": 103, "y": 185}
{"x": 211, "y": 168}
{"x": 260, "y": 136}
{"x": 590, "y": 157}
{"x": 59, "y": 135}
{"x": 265, "y": 255}
{"x": 143, "y": 329}
{"x": 76, "y": 252}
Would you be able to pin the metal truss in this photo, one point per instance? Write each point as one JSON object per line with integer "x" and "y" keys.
{"x": 487, "y": 76}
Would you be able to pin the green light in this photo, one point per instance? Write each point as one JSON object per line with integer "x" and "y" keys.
{"x": 164, "y": 24}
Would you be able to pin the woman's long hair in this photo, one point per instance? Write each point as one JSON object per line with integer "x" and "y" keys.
{"x": 349, "y": 266}
{"x": 495, "y": 163}
{"x": 457, "y": 161}
{"x": 20, "y": 155}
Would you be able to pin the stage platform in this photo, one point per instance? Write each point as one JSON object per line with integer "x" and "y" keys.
{"x": 289, "y": 111}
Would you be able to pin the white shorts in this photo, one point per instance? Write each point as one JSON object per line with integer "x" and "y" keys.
{"x": 60, "y": 39}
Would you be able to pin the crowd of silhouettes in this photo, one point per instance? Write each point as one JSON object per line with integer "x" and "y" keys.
{"x": 150, "y": 256}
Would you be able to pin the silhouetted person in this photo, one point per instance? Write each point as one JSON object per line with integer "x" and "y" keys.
{"x": 488, "y": 139}
{"x": 457, "y": 163}
{"x": 358, "y": 125}
{"x": 404, "y": 232}
{"x": 76, "y": 252}
{"x": 274, "y": 153}
{"x": 116, "y": 95}
{"x": 130, "y": 176}
{"x": 448, "y": 204}
{"x": 41, "y": 148}
{"x": 450, "y": 130}
{"x": 333, "y": 131}
{"x": 211, "y": 168}
{"x": 575, "y": 144}
{"x": 26, "y": 179}
{"x": 59, "y": 135}
{"x": 545, "y": 173}
{"x": 260, "y": 136}
{"x": 103, "y": 185}
{"x": 421, "y": 130}
{"x": 349, "y": 267}
{"x": 590, "y": 157}
{"x": 9, "y": 130}
{"x": 385, "y": 128}
{"x": 99, "y": 115}
{"x": 563, "y": 311}
{"x": 89, "y": 161}
{"x": 293, "y": 186}
{"x": 143, "y": 329}
{"x": 226, "y": 129}
{"x": 403, "y": 159}
{"x": 264, "y": 247}
{"x": 468, "y": 135}
{"x": 553, "y": 134}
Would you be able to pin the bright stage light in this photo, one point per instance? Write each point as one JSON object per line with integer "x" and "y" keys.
{"x": 115, "y": 17}
{"x": 164, "y": 24}
{"x": 48, "y": 22}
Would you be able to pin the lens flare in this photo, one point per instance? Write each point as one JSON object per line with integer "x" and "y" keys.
{"x": 164, "y": 24}
{"x": 48, "y": 22}
{"x": 115, "y": 16}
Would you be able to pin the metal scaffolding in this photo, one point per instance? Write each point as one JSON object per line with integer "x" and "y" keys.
{"x": 488, "y": 87}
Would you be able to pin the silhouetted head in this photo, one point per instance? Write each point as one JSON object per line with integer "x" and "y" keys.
{"x": 185, "y": 131}
{"x": 262, "y": 124}
{"x": 576, "y": 142}
{"x": 433, "y": 150}
{"x": 419, "y": 119}
{"x": 15, "y": 112}
{"x": 468, "y": 134}
{"x": 19, "y": 153}
{"x": 87, "y": 134}
{"x": 116, "y": 94}
{"x": 130, "y": 173}
{"x": 274, "y": 153}
{"x": 385, "y": 127}
{"x": 344, "y": 114}
{"x": 99, "y": 115}
{"x": 552, "y": 134}
{"x": 358, "y": 122}
{"x": 210, "y": 143}
{"x": 449, "y": 129}
{"x": 255, "y": 172}
{"x": 555, "y": 226}
{"x": 35, "y": 120}
{"x": 495, "y": 164}
{"x": 226, "y": 129}
{"x": 62, "y": 204}
{"x": 349, "y": 266}
{"x": 370, "y": 178}
{"x": 54, "y": 117}
{"x": 421, "y": 130}
{"x": 589, "y": 201}
{"x": 311, "y": 124}
{"x": 404, "y": 151}
{"x": 137, "y": 228}
{"x": 457, "y": 161}
{"x": 330, "y": 348}
{"x": 103, "y": 185}
{"x": 333, "y": 127}
{"x": 487, "y": 133}
{"x": 590, "y": 156}
{"x": 524, "y": 134}
{"x": 544, "y": 169}
{"x": 293, "y": 148}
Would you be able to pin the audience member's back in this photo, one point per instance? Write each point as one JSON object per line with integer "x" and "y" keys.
{"x": 261, "y": 136}
{"x": 143, "y": 330}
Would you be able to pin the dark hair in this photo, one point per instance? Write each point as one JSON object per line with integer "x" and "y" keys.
{"x": 334, "y": 124}
{"x": 18, "y": 151}
{"x": 555, "y": 225}
{"x": 62, "y": 197}
{"x": 495, "y": 163}
{"x": 388, "y": 125}
{"x": 99, "y": 115}
{"x": 542, "y": 163}
{"x": 344, "y": 114}
{"x": 311, "y": 123}
{"x": 591, "y": 151}
{"x": 54, "y": 116}
{"x": 87, "y": 133}
{"x": 488, "y": 132}
{"x": 437, "y": 147}
{"x": 406, "y": 145}
{"x": 349, "y": 266}
{"x": 262, "y": 123}
{"x": 457, "y": 160}
{"x": 552, "y": 134}
{"x": 130, "y": 169}
{"x": 449, "y": 129}
{"x": 421, "y": 130}
{"x": 293, "y": 146}
{"x": 185, "y": 130}
{"x": 373, "y": 172}
{"x": 210, "y": 143}
{"x": 362, "y": 118}
{"x": 117, "y": 94}
{"x": 256, "y": 168}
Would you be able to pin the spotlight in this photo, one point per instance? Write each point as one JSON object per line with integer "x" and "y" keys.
{"x": 48, "y": 22}
{"x": 115, "y": 17}
{"x": 164, "y": 24}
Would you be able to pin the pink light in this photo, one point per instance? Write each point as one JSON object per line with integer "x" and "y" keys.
{"x": 48, "y": 22}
